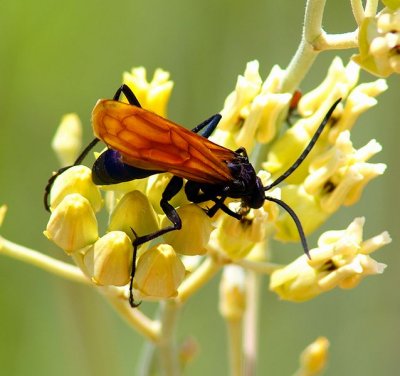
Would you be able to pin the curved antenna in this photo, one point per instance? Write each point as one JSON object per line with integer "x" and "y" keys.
{"x": 61, "y": 170}
{"x": 296, "y": 221}
{"x": 307, "y": 150}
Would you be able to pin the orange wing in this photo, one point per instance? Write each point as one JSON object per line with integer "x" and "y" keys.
{"x": 151, "y": 142}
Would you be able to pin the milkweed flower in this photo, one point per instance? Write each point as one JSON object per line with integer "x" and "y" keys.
{"x": 334, "y": 174}
{"x": 379, "y": 40}
{"x": 342, "y": 259}
{"x": 67, "y": 142}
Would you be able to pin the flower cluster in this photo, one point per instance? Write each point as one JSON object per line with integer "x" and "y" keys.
{"x": 379, "y": 42}
{"x": 333, "y": 175}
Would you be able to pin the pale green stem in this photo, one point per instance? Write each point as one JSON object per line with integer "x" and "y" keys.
{"x": 42, "y": 261}
{"x": 235, "y": 340}
{"x": 209, "y": 267}
{"x": 166, "y": 345}
{"x": 148, "y": 328}
{"x": 336, "y": 41}
{"x": 147, "y": 365}
{"x": 371, "y": 7}
{"x": 314, "y": 40}
{"x": 305, "y": 54}
{"x": 251, "y": 321}
{"x": 358, "y": 11}
{"x": 258, "y": 266}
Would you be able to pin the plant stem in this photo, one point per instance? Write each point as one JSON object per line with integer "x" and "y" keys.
{"x": 166, "y": 345}
{"x": 42, "y": 261}
{"x": 358, "y": 11}
{"x": 306, "y": 53}
{"x": 371, "y": 8}
{"x": 251, "y": 323}
{"x": 150, "y": 329}
{"x": 258, "y": 266}
{"x": 209, "y": 267}
{"x": 235, "y": 340}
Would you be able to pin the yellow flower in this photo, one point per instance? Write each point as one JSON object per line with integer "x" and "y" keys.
{"x": 67, "y": 141}
{"x": 341, "y": 259}
{"x": 109, "y": 260}
{"x": 72, "y": 224}
{"x": 153, "y": 95}
{"x": 338, "y": 83}
{"x": 237, "y": 237}
{"x": 195, "y": 233}
{"x": 379, "y": 40}
{"x": 339, "y": 175}
{"x": 253, "y": 111}
{"x": 336, "y": 177}
{"x": 77, "y": 179}
{"x": 236, "y": 104}
{"x": 134, "y": 211}
{"x": 159, "y": 272}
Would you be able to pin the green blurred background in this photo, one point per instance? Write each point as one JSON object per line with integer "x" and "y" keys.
{"x": 59, "y": 57}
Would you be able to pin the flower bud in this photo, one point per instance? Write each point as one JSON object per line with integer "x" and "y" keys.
{"x": 109, "y": 260}
{"x": 159, "y": 272}
{"x": 155, "y": 188}
{"x": 72, "y": 224}
{"x": 67, "y": 141}
{"x": 3, "y": 211}
{"x": 314, "y": 357}
{"x": 232, "y": 293}
{"x": 134, "y": 211}
{"x": 77, "y": 179}
{"x": 237, "y": 237}
{"x": 194, "y": 235}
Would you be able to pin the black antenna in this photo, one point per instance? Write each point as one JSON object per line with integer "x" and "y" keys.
{"x": 61, "y": 170}
{"x": 296, "y": 221}
{"x": 307, "y": 150}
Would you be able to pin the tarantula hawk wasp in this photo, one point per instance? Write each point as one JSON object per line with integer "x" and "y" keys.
{"x": 141, "y": 143}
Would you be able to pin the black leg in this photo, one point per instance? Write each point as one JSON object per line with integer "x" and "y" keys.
{"x": 173, "y": 187}
{"x": 210, "y": 124}
{"x": 124, "y": 89}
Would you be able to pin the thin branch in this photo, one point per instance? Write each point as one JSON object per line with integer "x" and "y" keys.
{"x": 42, "y": 261}
{"x": 358, "y": 11}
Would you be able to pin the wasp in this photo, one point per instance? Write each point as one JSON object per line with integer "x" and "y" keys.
{"x": 141, "y": 143}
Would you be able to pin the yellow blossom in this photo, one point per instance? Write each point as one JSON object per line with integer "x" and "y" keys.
{"x": 338, "y": 176}
{"x": 72, "y": 224}
{"x": 193, "y": 237}
{"x": 77, "y": 179}
{"x": 134, "y": 211}
{"x": 67, "y": 141}
{"x": 153, "y": 95}
{"x": 155, "y": 187}
{"x": 237, "y": 237}
{"x": 236, "y": 104}
{"x": 379, "y": 39}
{"x": 339, "y": 81}
{"x": 360, "y": 99}
{"x": 159, "y": 272}
{"x": 109, "y": 260}
{"x": 341, "y": 260}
